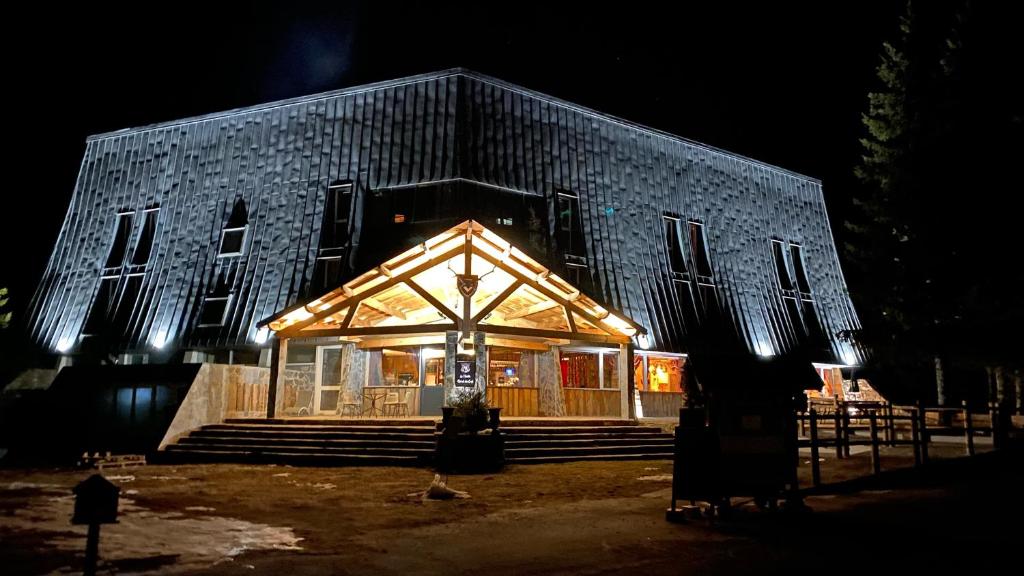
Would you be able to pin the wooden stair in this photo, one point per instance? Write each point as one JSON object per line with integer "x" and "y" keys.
{"x": 326, "y": 442}
{"x": 308, "y": 442}
{"x": 569, "y": 440}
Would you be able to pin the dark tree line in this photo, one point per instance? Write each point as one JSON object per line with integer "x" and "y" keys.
{"x": 934, "y": 236}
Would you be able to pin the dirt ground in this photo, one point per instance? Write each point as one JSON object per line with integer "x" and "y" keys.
{"x": 579, "y": 518}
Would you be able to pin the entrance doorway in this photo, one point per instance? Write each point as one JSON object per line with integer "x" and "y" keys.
{"x": 327, "y": 389}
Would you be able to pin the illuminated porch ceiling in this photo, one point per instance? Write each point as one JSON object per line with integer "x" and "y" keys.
{"x": 467, "y": 278}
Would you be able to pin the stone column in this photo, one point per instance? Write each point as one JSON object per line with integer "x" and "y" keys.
{"x": 451, "y": 348}
{"x": 549, "y": 376}
{"x": 353, "y": 371}
{"x": 480, "y": 351}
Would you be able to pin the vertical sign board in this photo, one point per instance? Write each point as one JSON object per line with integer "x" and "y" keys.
{"x": 465, "y": 371}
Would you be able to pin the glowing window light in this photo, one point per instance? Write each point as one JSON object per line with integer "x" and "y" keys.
{"x": 262, "y": 335}
{"x": 849, "y": 358}
{"x": 161, "y": 339}
{"x": 643, "y": 341}
{"x": 65, "y": 344}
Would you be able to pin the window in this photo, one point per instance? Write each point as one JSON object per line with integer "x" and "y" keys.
{"x": 330, "y": 260}
{"x": 576, "y": 273}
{"x": 102, "y": 307}
{"x": 232, "y": 238}
{"x": 579, "y": 369}
{"x": 676, "y": 262}
{"x": 216, "y": 303}
{"x": 699, "y": 252}
{"x": 144, "y": 246}
{"x": 801, "y": 273}
{"x": 215, "y": 309}
{"x": 115, "y": 258}
{"x": 232, "y": 241}
{"x": 781, "y": 268}
{"x": 570, "y": 225}
{"x": 337, "y": 211}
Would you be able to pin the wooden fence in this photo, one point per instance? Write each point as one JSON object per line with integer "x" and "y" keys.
{"x": 515, "y": 400}
{"x": 881, "y": 422}
{"x": 660, "y": 404}
{"x": 591, "y": 402}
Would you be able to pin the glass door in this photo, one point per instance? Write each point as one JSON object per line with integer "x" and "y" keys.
{"x": 328, "y": 380}
{"x": 431, "y": 380}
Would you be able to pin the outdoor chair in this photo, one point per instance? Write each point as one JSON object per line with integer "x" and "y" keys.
{"x": 350, "y": 403}
{"x": 394, "y": 406}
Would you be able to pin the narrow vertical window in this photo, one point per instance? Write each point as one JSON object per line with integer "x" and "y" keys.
{"x": 115, "y": 258}
{"x": 699, "y": 252}
{"x": 801, "y": 273}
{"x": 232, "y": 237}
{"x": 570, "y": 225}
{"x": 330, "y": 259}
{"x": 102, "y": 307}
{"x": 676, "y": 262}
{"x": 781, "y": 268}
{"x": 338, "y": 209}
{"x": 144, "y": 246}
{"x": 216, "y": 304}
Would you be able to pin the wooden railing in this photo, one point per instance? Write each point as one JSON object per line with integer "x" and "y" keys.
{"x": 883, "y": 419}
{"x": 515, "y": 400}
{"x": 661, "y": 404}
{"x": 591, "y": 402}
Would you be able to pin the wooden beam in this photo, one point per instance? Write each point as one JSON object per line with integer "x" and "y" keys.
{"x": 513, "y": 343}
{"x": 568, "y": 318}
{"x": 540, "y": 288}
{"x": 401, "y": 341}
{"x": 598, "y": 338}
{"x": 496, "y": 301}
{"x": 349, "y": 315}
{"x": 382, "y": 307}
{"x": 379, "y": 330}
{"x": 296, "y": 328}
{"x": 434, "y": 301}
{"x": 531, "y": 310}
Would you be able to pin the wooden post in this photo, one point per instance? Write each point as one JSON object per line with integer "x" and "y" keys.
{"x": 891, "y": 423}
{"x": 837, "y": 425}
{"x": 815, "y": 465}
{"x": 876, "y": 463}
{"x": 278, "y": 359}
{"x": 624, "y": 374}
{"x": 915, "y": 438}
{"x": 923, "y": 430}
{"x": 92, "y": 550}
{"x": 968, "y": 430}
{"x": 846, "y": 431}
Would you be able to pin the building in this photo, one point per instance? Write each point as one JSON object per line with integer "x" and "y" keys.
{"x": 576, "y": 255}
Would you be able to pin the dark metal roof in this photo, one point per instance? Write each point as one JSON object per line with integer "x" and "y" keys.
{"x": 490, "y": 140}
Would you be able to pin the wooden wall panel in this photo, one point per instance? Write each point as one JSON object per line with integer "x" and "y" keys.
{"x": 591, "y": 402}
{"x": 514, "y": 400}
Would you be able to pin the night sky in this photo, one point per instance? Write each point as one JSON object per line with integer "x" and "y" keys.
{"x": 782, "y": 84}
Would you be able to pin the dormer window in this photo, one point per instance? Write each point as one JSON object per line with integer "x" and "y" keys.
{"x": 232, "y": 237}
{"x": 144, "y": 246}
{"x": 801, "y": 272}
{"x": 118, "y": 250}
{"x": 216, "y": 303}
{"x": 782, "y": 269}
{"x": 674, "y": 245}
{"x": 699, "y": 252}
